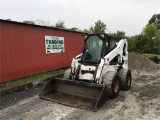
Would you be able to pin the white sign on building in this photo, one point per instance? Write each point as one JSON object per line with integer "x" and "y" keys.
{"x": 54, "y": 44}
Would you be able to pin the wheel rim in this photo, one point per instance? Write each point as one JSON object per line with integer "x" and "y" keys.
{"x": 116, "y": 85}
{"x": 128, "y": 80}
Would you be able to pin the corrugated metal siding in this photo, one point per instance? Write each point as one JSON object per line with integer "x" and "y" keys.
{"x": 23, "y": 50}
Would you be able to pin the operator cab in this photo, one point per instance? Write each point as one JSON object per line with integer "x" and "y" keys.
{"x": 96, "y": 46}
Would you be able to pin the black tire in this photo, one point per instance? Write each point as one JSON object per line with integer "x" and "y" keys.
{"x": 126, "y": 79}
{"x": 67, "y": 74}
{"x": 112, "y": 81}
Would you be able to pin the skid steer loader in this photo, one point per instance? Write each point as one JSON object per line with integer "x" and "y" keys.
{"x": 95, "y": 75}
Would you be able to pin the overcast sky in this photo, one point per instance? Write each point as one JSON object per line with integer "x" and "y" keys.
{"x": 129, "y": 16}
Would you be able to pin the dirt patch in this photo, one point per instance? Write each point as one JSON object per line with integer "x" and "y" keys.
{"x": 139, "y": 62}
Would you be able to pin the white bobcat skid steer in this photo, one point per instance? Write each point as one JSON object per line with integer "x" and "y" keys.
{"x": 97, "y": 74}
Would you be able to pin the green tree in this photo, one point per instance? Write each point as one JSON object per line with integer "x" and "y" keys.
{"x": 42, "y": 22}
{"x": 98, "y": 27}
{"x": 131, "y": 44}
{"x": 149, "y": 31}
{"x": 119, "y": 35}
{"x": 157, "y": 40}
{"x": 60, "y": 24}
{"x": 86, "y": 30}
{"x": 75, "y": 29}
{"x": 155, "y": 20}
{"x": 140, "y": 43}
{"x": 152, "y": 39}
{"x": 29, "y": 22}
{"x": 146, "y": 42}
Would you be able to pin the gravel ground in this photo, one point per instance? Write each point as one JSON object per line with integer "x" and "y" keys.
{"x": 16, "y": 96}
{"x": 141, "y": 102}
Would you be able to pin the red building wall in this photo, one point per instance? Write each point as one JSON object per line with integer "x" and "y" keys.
{"x": 22, "y": 49}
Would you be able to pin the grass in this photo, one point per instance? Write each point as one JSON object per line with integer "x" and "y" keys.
{"x": 151, "y": 55}
{"x": 23, "y": 81}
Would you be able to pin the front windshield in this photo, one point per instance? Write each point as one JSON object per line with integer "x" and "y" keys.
{"x": 93, "y": 48}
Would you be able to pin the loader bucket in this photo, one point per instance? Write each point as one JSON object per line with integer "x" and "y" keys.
{"x": 89, "y": 96}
